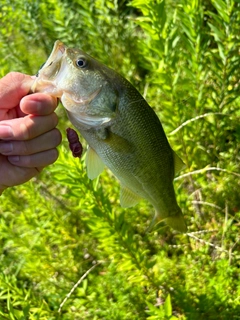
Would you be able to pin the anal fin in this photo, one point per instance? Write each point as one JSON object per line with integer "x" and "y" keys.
{"x": 128, "y": 198}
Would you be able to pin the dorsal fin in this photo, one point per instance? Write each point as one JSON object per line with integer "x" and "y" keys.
{"x": 178, "y": 163}
{"x": 94, "y": 164}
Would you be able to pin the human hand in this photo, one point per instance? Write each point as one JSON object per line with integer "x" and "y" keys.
{"x": 28, "y": 137}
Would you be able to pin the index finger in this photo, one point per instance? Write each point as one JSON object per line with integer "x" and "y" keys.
{"x": 14, "y": 86}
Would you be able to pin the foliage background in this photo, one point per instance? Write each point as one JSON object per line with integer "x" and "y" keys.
{"x": 183, "y": 56}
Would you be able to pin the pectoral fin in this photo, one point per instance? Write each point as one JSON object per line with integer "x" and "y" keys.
{"x": 94, "y": 164}
{"x": 128, "y": 198}
{"x": 118, "y": 144}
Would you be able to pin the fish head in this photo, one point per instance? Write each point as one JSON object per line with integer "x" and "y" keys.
{"x": 84, "y": 86}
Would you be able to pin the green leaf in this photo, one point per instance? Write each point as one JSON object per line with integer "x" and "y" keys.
{"x": 217, "y": 33}
{"x": 222, "y": 9}
{"x": 168, "y": 306}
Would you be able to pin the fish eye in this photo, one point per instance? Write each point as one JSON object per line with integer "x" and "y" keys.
{"x": 81, "y": 62}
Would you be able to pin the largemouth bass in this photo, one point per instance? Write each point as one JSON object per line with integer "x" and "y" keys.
{"x": 122, "y": 130}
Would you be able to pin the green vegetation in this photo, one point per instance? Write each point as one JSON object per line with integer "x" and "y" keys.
{"x": 184, "y": 57}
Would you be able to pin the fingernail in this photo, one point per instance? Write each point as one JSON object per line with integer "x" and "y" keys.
{"x": 5, "y": 132}
{"x": 13, "y": 158}
{"x": 6, "y": 147}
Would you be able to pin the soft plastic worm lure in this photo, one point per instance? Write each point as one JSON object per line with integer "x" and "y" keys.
{"x": 74, "y": 143}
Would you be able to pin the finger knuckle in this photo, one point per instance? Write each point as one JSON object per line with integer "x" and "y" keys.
{"x": 15, "y": 76}
{"x": 25, "y": 130}
{"x": 54, "y": 119}
{"x": 53, "y": 155}
{"x": 57, "y": 137}
{"x": 24, "y": 148}
{"x": 26, "y": 161}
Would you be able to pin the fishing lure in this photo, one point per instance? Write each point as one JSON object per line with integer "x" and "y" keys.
{"x": 74, "y": 143}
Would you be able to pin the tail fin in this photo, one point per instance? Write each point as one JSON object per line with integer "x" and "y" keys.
{"x": 175, "y": 221}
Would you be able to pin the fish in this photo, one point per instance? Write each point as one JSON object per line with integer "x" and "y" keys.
{"x": 122, "y": 131}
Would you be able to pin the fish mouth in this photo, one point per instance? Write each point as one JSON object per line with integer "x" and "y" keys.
{"x": 57, "y": 53}
{"x": 46, "y": 78}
